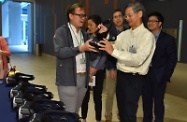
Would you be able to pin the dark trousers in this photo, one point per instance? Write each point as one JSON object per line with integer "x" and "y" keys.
{"x": 97, "y": 97}
{"x": 128, "y": 91}
{"x": 153, "y": 97}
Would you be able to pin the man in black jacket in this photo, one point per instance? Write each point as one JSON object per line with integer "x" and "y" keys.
{"x": 161, "y": 69}
{"x": 111, "y": 70}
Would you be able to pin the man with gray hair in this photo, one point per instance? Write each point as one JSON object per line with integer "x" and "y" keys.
{"x": 133, "y": 50}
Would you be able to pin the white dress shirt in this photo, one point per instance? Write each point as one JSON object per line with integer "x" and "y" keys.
{"x": 134, "y": 50}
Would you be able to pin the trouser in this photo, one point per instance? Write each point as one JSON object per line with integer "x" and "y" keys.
{"x": 97, "y": 97}
{"x": 153, "y": 98}
{"x": 110, "y": 92}
{"x": 72, "y": 96}
{"x": 128, "y": 90}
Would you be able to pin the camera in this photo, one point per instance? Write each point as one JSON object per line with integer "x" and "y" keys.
{"x": 99, "y": 36}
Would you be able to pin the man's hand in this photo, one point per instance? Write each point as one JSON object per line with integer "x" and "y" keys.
{"x": 106, "y": 46}
{"x": 87, "y": 47}
{"x": 112, "y": 74}
{"x": 102, "y": 28}
{"x": 93, "y": 71}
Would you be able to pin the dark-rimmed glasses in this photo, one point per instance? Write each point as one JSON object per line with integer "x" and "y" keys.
{"x": 80, "y": 15}
{"x": 119, "y": 16}
{"x": 152, "y": 21}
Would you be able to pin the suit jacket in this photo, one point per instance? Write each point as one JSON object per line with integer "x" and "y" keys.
{"x": 66, "y": 53}
{"x": 165, "y": 57}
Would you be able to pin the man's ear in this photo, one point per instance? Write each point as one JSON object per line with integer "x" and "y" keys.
{"x": 160, "y": 23}
{"x": 140, "y": 14}
{"x": 70, "y": 16}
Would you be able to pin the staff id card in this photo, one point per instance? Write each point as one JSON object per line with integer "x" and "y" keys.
{"x": 82, "y": 61}
{"x": 132, "y": 49}
{"x": 92, "y": 81}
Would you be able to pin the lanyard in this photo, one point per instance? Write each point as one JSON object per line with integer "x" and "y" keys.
{"x": 79, "y": 42}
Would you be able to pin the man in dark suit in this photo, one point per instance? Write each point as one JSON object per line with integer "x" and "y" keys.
{"x": 111, "y": 68}
{"x": 161, "y": 69}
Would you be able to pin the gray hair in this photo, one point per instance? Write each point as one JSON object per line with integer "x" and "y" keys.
{"x": 136, "y": 7}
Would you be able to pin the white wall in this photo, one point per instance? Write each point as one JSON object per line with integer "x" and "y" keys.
{"x": 5, "y": 20}
{"x": 11, "y": 22}
{"x": 14, "y": 23}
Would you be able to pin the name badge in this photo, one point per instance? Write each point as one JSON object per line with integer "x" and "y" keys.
{"x": 82, "y": 60}
{"x": 92, "y": 81}
{"x": 132, "y": 49}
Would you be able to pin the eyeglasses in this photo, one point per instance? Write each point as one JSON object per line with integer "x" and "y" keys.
{"x": 152, "y": 21}
{"x": 80, "y": 15}
{"x": 119, "y": 16}
{"x": 128, "y": 15}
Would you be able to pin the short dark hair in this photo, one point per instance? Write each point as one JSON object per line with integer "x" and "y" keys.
{"x": 71, "y": 9}
{"x": 118, "y": 10}
{"x": 136, "y": 7}
{"x": 96, "y": 19}
{"x": 158, "y": 15}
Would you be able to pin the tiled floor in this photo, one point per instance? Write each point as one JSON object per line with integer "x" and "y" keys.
{"x": 43, "y": 68}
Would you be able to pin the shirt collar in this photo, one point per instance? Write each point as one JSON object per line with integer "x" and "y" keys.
{"x": 137, "y": 30}
{"x": 157, "y": 34}
{"x": 72, "y": 27}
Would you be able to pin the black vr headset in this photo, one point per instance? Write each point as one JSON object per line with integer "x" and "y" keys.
{"x": 99, "y": 36}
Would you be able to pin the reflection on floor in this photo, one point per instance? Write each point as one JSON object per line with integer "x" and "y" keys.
{"x": 43, "y": 68}
{"x": 18, "y": 48}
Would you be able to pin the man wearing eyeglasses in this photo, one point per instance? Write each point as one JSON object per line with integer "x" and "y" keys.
{"x": 133, "y": 49}
{"x": 71, "y": 45}
{"x": 111, "y": 72}
{"x": 161, "y": 69}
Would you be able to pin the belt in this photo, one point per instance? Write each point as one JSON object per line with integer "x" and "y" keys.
{"x": 128, "y": 73}
{"x": 81, "y": 73}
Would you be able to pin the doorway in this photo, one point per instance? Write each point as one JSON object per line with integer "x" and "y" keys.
{"x": 17, "y": 25}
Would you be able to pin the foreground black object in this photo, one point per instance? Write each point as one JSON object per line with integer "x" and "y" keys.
{"x": 55, "y": 116}
{"x": 17, "y": 78}
{"x": 38, "y": 106}
{"x": 99, "y": 36}
{"x": 25, "y": 86}
{"x": 29, "y": 95}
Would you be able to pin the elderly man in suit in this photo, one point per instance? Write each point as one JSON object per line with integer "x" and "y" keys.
{"x": 161, "y": 69}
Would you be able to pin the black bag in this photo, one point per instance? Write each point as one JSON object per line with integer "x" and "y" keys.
{"x": 17, "y": 78}
{"x": 29, "y": 95}
{"x": 60, "y": 116}
{"x": 38, "y": 106}
{"x": 25, "y": 86}
{"x": 56, "y": 116}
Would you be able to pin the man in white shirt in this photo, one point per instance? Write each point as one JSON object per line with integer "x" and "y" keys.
{"x": 133, "y": 49}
